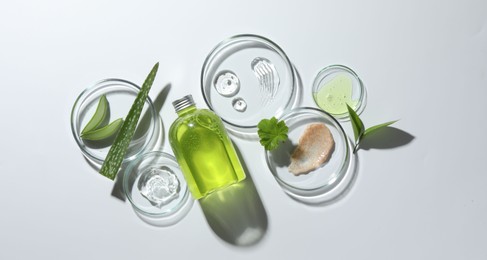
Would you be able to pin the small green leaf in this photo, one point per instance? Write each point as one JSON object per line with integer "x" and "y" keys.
{"x": 99, "y": 115}
{"x": 357, "y": 124}
{"x": 272, "y": 133}
{"x": 377, "y": 127}
{"x": 103, "y": 132}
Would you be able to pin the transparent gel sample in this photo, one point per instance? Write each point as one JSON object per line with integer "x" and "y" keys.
{"x": 266, "y": 74}
{"x": 239, "y": 104}
{"x": 159, "y": 186}
{"x": 227, "y": 84}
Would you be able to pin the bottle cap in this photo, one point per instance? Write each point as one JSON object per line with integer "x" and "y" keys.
{"x": 183, "y": 103}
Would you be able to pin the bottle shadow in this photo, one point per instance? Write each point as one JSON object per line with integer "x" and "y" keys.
{"x": 236, "y": 213}
{"x": 386, "y": 138}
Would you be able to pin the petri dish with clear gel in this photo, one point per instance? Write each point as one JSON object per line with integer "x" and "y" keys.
{"x": 324, "y": 183}
{"x": 336, "y": 86}
{"x": 246, "y": 78}
{"x": 120, "y": 95}
{"x": 156, "y": 189}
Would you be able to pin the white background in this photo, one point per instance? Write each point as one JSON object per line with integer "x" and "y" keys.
{"x": 423, "y": 62}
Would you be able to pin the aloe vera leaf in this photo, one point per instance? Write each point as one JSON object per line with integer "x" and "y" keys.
{"x": 103, "y": 132}
{"x": 377, "y": 127}
{"x": 99, "y": 115}
{"x": 115, "y": 155}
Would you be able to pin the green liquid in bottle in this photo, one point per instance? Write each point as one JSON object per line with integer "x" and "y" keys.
{"x": 204, "y": 151}
{"x": 335, "y": 94}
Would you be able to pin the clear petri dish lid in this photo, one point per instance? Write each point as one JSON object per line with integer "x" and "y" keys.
{"x": 156, "y": 189}
{"x": 247, "y": 78}
{"x": 329, "y": 179}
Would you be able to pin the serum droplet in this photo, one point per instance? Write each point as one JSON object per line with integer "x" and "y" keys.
{"x": 239, "y": 104}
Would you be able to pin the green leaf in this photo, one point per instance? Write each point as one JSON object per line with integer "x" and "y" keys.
{"x": 357, "y": 124}
{"x": 99, "y": 115}
{"x": 377, "y": 127}
{"x": 103, "y": 132}
{"x": 272, "y": 133}
{"x": 115, "y": 155}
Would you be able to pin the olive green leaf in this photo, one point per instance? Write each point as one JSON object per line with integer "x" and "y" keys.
{"x": 99, "y": 115}
{"x": 103, "y": 132}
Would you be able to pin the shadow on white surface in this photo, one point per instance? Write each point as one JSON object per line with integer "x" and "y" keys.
{"x": 236, "y": 214}
{"x": 386, "y": 138}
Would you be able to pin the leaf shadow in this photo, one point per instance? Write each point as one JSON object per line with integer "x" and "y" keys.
{"x": 282, "y": 155}
{"x": 386, "y": 138}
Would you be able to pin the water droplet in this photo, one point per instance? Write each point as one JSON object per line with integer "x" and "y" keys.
{"x": 239, "y": 104}
{"x": 227, "y": 84}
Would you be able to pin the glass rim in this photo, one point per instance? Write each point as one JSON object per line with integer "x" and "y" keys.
{"x": 307, "y": 195}
{"x": 178, "y": 208}
{"x": 95, "y": 87}
{"x": 239, "y": 38}
{"x": 363, "y": 91}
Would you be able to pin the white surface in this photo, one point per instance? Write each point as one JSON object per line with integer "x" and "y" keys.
{"x": 423, "y": 62}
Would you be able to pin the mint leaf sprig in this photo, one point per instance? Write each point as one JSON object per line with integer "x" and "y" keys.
{"x": 359, "y": 130}
{"x": 272, "y": 132}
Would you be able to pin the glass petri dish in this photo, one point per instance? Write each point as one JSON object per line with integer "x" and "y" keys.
{"x": 337, "y": 85}
{"x": 246, "y": 78}
{"x": 120, "y": 95}
{"x": 156, "y": 188}
{"x": 318, "y": 185}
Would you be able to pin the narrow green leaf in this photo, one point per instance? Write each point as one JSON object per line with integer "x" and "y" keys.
{"x": 115, "y": 155}
{"x": 357, "y": 124}
{"x": 377, "y": 127}
{"x": 103, "y": 132}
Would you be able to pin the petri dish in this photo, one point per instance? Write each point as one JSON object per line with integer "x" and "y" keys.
{"x": 338, "y": 85}
{"x": 246, "y": 78}
{"x": 318, "y": 185}
{"x": 120, "y": 95}
{"x": 156, "y": 189}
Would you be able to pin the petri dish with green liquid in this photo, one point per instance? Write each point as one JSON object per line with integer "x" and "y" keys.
{"x": 336, "y": 86}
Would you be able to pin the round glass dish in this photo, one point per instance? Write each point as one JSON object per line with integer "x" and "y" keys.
{"x": 246, "y": 78}
{"x": 156, "y": 188}
{"x": 120, "y": 95}
{"x": 337, "y": 85}
{"x": 318, "y": 185}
